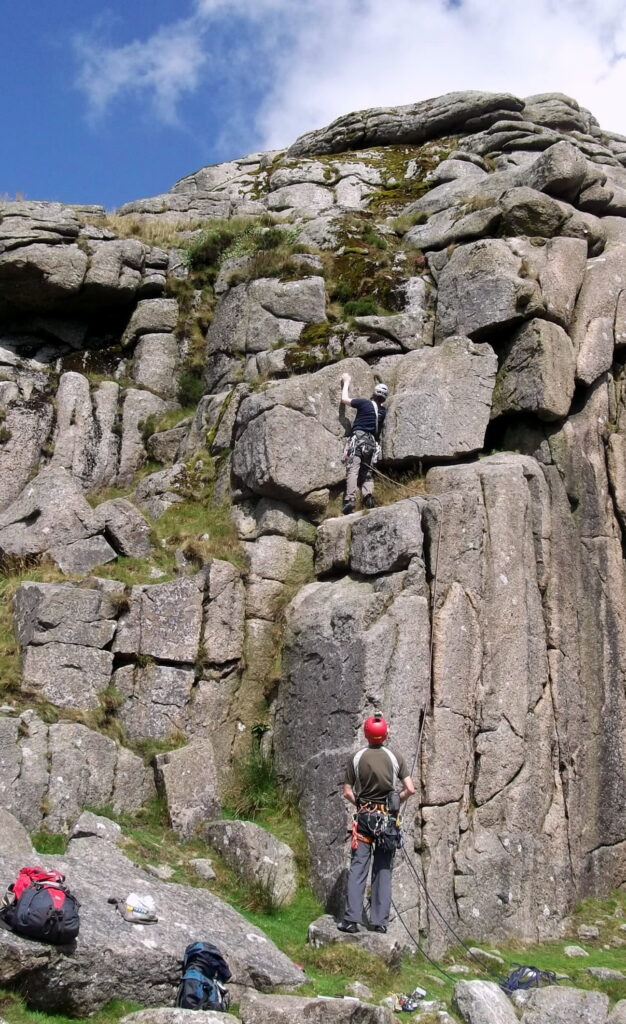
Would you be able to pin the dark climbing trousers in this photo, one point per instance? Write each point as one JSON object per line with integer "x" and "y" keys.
{"x": 382, "y": 863}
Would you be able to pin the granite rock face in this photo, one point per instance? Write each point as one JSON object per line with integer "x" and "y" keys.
{"x": 481, "y": 607}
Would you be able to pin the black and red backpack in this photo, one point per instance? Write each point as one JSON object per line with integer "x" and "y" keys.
{"x": 39, "y": 906}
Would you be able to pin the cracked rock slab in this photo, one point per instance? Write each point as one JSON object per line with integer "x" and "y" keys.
{"x": 67, "y": 675}
{"x": 164, "y": 621}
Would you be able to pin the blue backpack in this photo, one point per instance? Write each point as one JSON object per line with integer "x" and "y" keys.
{"x": 205, "y": 973}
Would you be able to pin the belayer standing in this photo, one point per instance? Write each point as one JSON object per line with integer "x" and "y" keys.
{"x": 371, "y": 780}
{"x": 363, "y": 442}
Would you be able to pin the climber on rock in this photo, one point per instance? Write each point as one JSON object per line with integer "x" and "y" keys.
{"x": 371, "y": 780}
{"x": 362, "y": 445}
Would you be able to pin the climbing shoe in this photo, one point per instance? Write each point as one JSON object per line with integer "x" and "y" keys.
{"x": 379, "y": 928}
{"x": 348, "y": 926}
{"x": 348, "y": 508}
{"x": 369, "y": 502}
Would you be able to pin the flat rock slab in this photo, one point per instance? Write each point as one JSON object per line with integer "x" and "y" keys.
{"x": 113, "y": 959}
{"x": 258, "y": 1009}
{"x": 174, "y": 1015}
{"x": 324, "y": 932}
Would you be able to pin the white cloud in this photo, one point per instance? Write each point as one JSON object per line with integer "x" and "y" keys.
{"x": 364, "y": 53}
{"x": 313, "y": 61}
{"x": 162, "y": 69}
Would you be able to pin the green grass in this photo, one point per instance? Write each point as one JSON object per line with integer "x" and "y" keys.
{"x": 14, "y": 1011}
{"x": 49, "y": 842}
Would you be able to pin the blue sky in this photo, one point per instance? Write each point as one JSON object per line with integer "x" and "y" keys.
{"x": 107, "y": 102}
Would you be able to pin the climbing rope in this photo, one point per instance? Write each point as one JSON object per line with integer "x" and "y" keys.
{"x": 420, "y": 948}
{"x": 444, "y": 923}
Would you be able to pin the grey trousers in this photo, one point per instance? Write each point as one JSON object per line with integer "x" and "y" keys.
{"x": 359, "y": 475}
{"x": 382, "y": 863}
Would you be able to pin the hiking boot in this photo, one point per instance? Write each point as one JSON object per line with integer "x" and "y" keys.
{"x": 347, "y": 508}
{"x": 370, "y": 502}
{"x": 348, "y": 926}
{"x": 379, "y": 928}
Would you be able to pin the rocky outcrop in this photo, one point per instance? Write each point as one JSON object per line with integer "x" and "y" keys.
{"x": 484, "y": 285}
{"x": 48, "y": 773}
{"x": 114, "y": 959}
{"x": 155, "y": 652}
{"x": 48, "y": 260}
{"x": 51, "y": 517}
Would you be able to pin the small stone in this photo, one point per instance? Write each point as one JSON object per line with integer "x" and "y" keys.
{"x": 484, "y": 956}
{"x": 458, "y": 969}
{"x": 157, "y": 574}
{"x": 203, "y": 868}
{"x": 575, "y": 951}
{"x": 588, "y": 931}
{"x": 605, "y": 974}
{"x": 358, "y": 989}
{"x": 162, "y": 871}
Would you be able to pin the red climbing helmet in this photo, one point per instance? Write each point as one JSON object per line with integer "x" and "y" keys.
{"x": 375, "y": 729}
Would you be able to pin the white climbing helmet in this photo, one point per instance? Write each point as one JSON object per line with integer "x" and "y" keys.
{"x": 381, "y": 391}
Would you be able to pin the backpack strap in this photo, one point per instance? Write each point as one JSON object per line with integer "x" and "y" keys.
{"x": 375, "y": 408}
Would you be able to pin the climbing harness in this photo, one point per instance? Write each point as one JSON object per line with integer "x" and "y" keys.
{"x": 361, "y": 445}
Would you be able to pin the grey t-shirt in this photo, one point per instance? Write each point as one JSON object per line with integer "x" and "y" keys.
{"x": 376, "y": 774}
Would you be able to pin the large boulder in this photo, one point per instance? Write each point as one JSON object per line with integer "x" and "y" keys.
{"x": 387, "y": 539}
{"x": 61, "y": 613}
{"x": 50, "y": 511}
{"x": 116, "y": 960}
{"x": 28, "y": 423}
{"x": 85, "y": 440}
{"x": 257, "y": 857}
{"x": 164, "y": 621}
{"x": 67, "y": 675}
{"x": 412, "y": 124}
{"x": 440, "y": 401}
{"x": 289, "y": 439}
{"x": 599, "y": 321}
{"x": 151, "y": 316}
{"x": 258, "y": 316}
{"x": 483, "y": 1002}
{"x": 156, "y": 698}
{"x": 565, "y": 1005}
{"x": 41, "y": 276}
{"x": 496, "y": 283}
{"x": 536, "y": 373}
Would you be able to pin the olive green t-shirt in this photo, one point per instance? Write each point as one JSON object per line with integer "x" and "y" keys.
{"x": 376, "y": 774}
